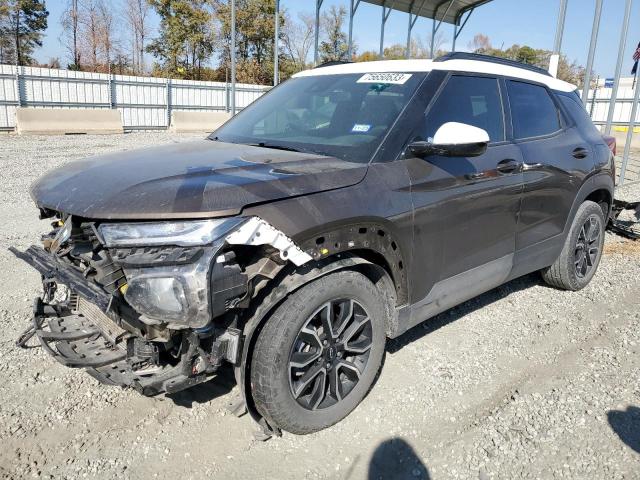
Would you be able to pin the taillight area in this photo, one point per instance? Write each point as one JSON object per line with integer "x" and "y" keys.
{"x": 611, "y": 143}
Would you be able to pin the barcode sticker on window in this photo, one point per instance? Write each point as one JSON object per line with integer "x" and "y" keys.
{"x": 393, "y": 78}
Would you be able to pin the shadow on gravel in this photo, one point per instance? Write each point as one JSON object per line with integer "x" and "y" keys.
{"x": 626, "y": 424}
{"x": 396, "y": 459}
{"x": 218, "y": 386}
{"x": 466, "y": 308}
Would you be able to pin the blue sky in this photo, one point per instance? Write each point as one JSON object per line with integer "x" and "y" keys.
{"x": 506, "y": 22}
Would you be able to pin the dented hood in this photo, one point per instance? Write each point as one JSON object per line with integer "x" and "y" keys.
{"x": 188, "y": 180}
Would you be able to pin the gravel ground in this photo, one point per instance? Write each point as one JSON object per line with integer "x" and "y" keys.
{"x": 522, "y": 382}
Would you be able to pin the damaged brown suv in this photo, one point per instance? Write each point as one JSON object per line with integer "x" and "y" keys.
{"x": 346, "y": 206}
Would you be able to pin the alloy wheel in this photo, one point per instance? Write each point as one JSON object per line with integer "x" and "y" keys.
{"x": 330, "y": 354}
{"x": 587, "y": 246}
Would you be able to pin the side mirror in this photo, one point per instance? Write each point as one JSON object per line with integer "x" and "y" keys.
{"x": 453, "y": 140}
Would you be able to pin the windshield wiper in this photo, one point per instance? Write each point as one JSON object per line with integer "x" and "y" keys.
{"x": 275, "y": 147}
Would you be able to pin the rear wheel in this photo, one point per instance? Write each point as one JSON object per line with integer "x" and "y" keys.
{"x": 319, "y": 353}
{"x": 580, "y": 256}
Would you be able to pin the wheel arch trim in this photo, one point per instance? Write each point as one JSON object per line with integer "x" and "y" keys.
{"x": 597, "y": 182}
{"x": 286, "y": 283}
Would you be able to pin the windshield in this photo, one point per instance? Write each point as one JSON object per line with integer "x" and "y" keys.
{"x": 344, "y": 116}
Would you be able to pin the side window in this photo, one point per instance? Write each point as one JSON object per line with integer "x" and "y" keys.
{"x": 533, "y": 112}
{"x": 472, "y": 100}
{"x": 578, "y": 114}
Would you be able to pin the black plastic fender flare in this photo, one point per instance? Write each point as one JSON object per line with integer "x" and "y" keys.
{"x": 600, "y": 181}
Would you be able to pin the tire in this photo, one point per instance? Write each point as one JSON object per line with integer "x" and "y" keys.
{"x": 285, "y": 356}
{"x": 574, "y": 269}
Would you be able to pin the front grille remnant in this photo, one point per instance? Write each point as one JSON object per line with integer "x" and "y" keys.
{"x": 100, "y": 319}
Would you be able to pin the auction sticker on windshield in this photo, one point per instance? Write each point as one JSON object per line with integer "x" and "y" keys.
{"x": 393, "y": 78}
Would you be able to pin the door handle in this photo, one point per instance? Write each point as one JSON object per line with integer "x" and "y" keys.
{"x": 531, "y": 166}
{"x": 507, "y": 166}
{"x": 580, "y": 153}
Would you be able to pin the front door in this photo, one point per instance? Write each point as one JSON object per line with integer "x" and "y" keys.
{"x": 467, "y": 208}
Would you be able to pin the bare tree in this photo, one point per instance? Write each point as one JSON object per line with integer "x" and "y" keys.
{"x": 7, "y": 45}
{"x": 90, "y": 44}
{"x": 480, "y": 43}
{"x": 418, "y": 49}
{"x": 137, "y": 12}
{"x": 70, "y": 30}
{"x": 298, "y": 38}
{"x": 106, "y": 30}
{"x": 438, "y": 42}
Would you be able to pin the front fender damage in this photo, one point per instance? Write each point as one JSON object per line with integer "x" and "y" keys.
{"x": 257, "y": 232}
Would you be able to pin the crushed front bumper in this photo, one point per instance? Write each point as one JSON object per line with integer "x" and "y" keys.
{"x": 76, "y": 341}
{"x": 79, "y": 333}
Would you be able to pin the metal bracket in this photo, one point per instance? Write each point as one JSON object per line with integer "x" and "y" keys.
{"x": 258, "y": 232}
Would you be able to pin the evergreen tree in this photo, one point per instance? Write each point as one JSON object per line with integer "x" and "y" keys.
{"x": 255, "y": 28}
{"x": 336, "y": 46}
{"x": 22, "y": 23}
{"x": 186, "y": 39}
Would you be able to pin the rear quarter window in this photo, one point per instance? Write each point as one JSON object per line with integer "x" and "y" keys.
{"x": 533, "y": 111}
{"x": 578, "y": 114}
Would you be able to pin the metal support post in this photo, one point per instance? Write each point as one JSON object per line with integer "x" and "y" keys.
{"x": 632, "y": 126}
{"x": 436, "y": 26}
{"x": 616, "y": 80}
{"x": 232, "y": 53}
{"x": 562, "y": 15}
{"x": 386, "y": 11}
{"x": 352, "y": 11}
{"x": 554, "y": 61}
{"x": 276, "y": 76}
{"x": 458, "y": 30}
{"x": 317, "y": 32}
{"x": 455, "y": 36}
{"x": 592, "y": 52}
{"x": 412, "y": 21}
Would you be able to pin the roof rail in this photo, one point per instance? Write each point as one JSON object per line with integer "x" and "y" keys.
{"x": 489, "y": 58}
{"x": 330, "y": 63}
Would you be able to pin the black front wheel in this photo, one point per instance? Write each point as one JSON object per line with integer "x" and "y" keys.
{"x": 319, "y": 353}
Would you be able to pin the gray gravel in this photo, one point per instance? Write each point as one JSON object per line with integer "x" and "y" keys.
{"x": 522, "y": 382}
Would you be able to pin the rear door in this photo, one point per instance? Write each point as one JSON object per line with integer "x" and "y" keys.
{"x": 557, "y": 158}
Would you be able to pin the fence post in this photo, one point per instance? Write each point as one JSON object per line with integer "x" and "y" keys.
{"x": 168, "y": 102}
{"x": 632, "y": 126}
{"x": 112, "y": 90}
{"x": 226, "y": 97}
{"x": 19, "y": 87}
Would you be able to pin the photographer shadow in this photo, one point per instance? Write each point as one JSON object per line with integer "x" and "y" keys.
{"x": 626, "y": 424}
{"x": 396, "y": 459}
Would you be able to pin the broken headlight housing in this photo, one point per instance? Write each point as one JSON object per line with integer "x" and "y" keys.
{"x": 181, "y": 233}
{"x": 167, "y": 266}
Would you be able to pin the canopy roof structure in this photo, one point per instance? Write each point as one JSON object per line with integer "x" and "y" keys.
{"x": 446, "y": 11}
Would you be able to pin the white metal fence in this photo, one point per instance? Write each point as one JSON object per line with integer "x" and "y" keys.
{"x": 598, "y": 105}
{"x": 144, "y": 102}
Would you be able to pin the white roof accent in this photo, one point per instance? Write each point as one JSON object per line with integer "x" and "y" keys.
{"x": 454, "y": 65}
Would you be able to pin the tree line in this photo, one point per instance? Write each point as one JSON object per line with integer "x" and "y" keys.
{"x": 191, "y": 39}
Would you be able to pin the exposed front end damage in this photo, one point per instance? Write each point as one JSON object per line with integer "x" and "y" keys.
{"x": 153, "y": 306}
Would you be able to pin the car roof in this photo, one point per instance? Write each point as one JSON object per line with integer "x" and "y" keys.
{"x": 453, "y": 65}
